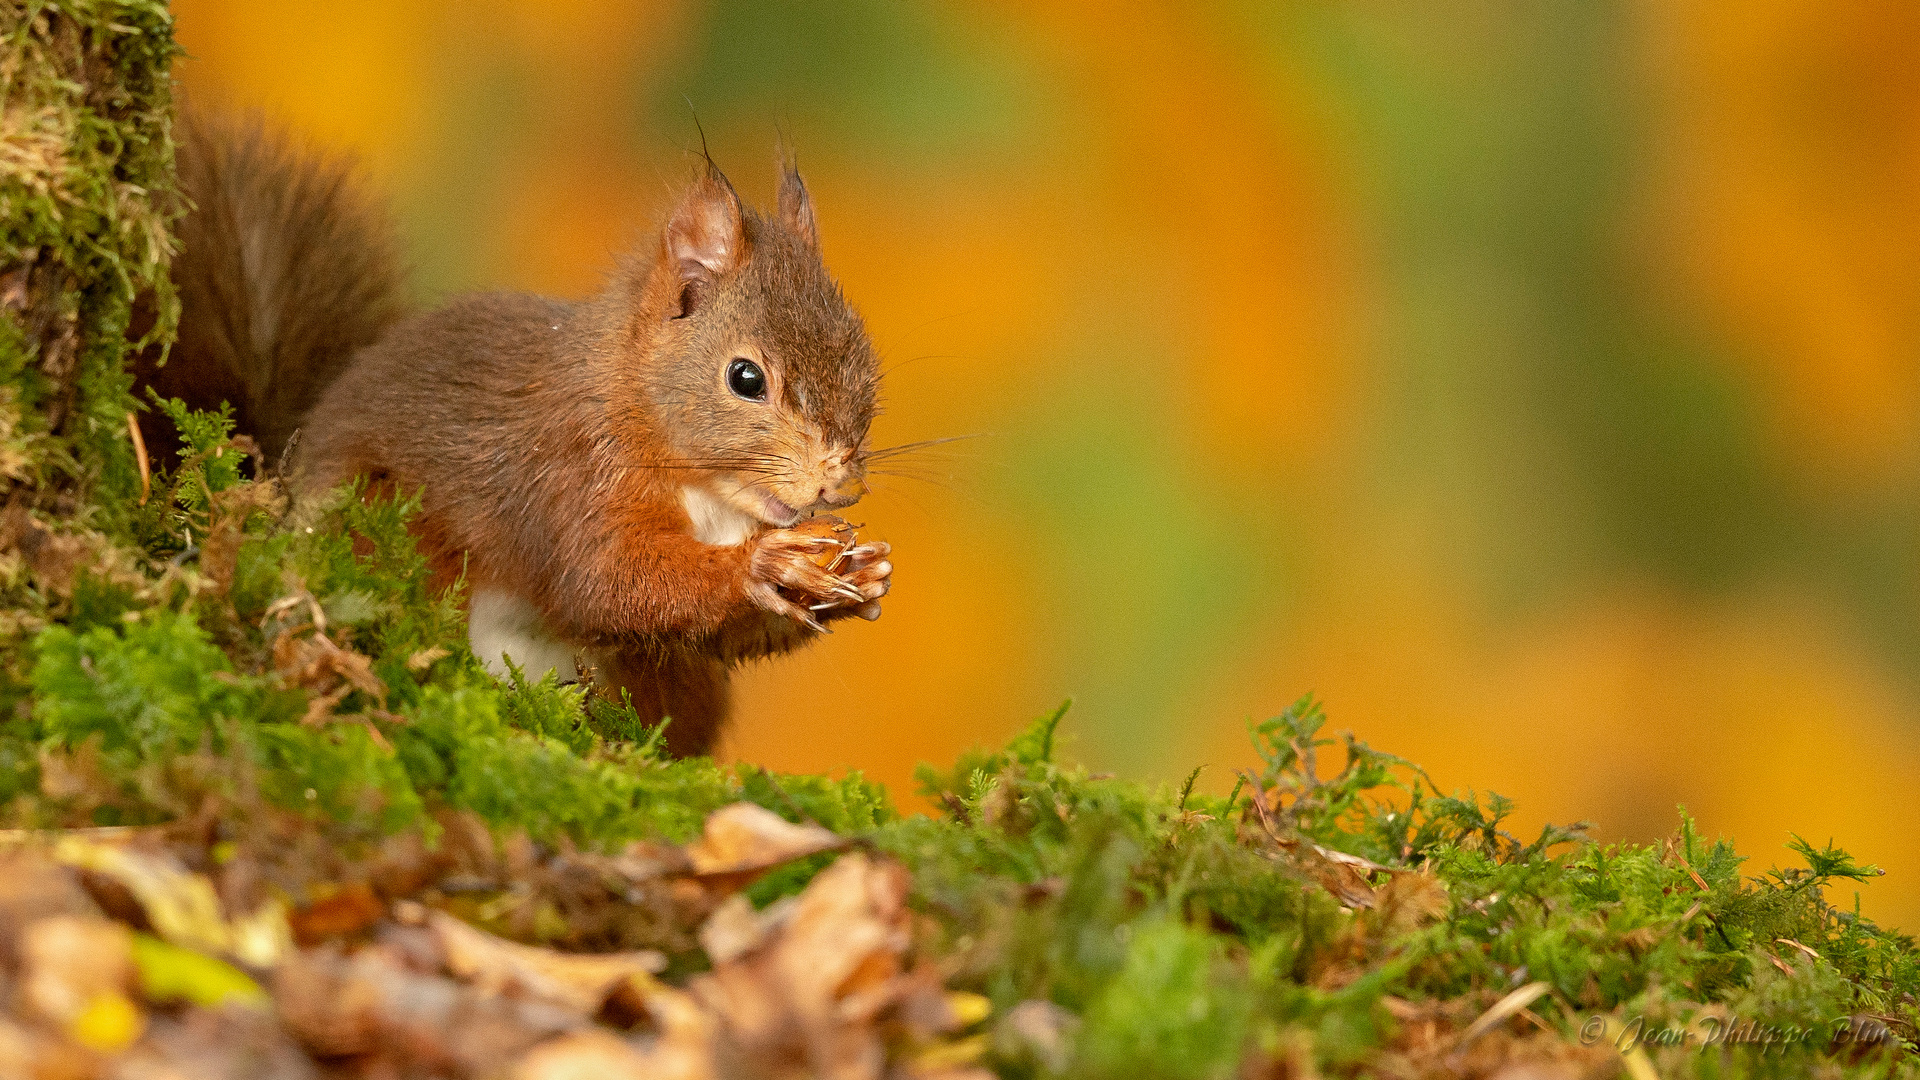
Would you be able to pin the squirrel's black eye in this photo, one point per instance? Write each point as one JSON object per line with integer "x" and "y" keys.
{"x": 745, "y": 378}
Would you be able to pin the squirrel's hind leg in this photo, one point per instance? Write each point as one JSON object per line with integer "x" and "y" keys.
{"x": 689, "y": 688}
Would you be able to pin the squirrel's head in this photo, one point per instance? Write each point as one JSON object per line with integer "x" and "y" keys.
{"x": 761, "y": 375}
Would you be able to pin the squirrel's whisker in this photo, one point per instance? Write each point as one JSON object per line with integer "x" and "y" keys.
{"x": 886, "y": 452}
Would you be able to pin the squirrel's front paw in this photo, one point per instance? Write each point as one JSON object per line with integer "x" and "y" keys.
{"x": 867, "y": 569}
{"x": 788, "y": 575}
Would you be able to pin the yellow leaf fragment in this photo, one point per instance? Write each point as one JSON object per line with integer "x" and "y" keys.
{"x": 951, "y": 1055}
{"x": 968, "y": 1008}
{"x": 110, "y": 1023}
{"x": 170, "y": 973}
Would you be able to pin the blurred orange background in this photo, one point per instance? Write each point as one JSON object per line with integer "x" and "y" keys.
{"x": 1538, "y": 384}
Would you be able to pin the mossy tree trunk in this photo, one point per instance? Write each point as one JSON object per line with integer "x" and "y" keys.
{"x": 86, "y": 199}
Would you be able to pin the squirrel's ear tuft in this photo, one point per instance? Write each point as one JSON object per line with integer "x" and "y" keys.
{"x": 796, "y": 210}
{"x": 704, "y": 239}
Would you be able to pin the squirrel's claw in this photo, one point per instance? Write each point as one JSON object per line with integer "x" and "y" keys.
{"x": 768, "y": 598}
{"x": 794, "y": 583}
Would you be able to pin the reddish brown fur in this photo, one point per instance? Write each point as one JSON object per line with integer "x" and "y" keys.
{"x": 286, "y": 270}
{"x": 552, "y": 441}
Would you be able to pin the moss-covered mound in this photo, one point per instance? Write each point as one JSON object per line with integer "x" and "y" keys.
{"x": 270, "y": 817}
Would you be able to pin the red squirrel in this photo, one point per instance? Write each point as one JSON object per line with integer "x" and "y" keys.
{"x": 618, "y": 479}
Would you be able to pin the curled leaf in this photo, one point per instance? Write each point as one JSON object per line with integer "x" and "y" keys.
{"x": 746, "y": 839}
{"x": 581, "y": 982}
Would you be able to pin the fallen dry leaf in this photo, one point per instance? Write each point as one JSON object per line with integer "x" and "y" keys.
{"x": 1343, "y": 875}
{"x": 584, "y": 1055}
{"x": 847, "y": 932}
{"x": 1409, "y": 900}
{"x": 1502, "y": 1010}
{"x": 581, "y": 982}
{"x": 312, "y": 661}
{"x": 346, "y": 910}
{"x": 29, "y": 1052}
{"x": 375, "y": 1009}
{"x": 53, "y": 557}
{"x": 732, "y": 929}
{"x": 1042, "y": 1030}
{"x": 215, "y": 1044}
{"x": 684, "y": 1048}
{"x": 230, "y": 509}
{"x": 33, "y": 886}
{"x": 70, "y": 962}
{"x": 745, "y": 839}
{"x": 182, "y": 906}
{"x": 827, "y": 964}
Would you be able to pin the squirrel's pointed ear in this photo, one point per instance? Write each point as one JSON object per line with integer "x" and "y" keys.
{"x": 796, "y": 210}
{"x": 704, "y": 239}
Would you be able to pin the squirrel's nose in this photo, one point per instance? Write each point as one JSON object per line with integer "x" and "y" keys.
{"x": 846, "y": 493}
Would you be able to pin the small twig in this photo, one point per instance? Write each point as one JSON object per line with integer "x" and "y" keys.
{"x": 1797, "y": 945}
{"x": 1688, "y": 867}
{"x": 1506, "y": 1007}
{"x": 140, "y": 456}
{"x": 1259, "y": 800}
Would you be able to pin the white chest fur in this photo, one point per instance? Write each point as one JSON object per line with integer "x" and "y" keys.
{"x": 714, "y": 521}
{"x": 500, "y": 622}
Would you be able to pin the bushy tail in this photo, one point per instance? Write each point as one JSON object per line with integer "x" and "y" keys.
{"x": 287, "y": 268}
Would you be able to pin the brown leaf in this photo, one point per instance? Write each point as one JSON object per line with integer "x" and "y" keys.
{"x": 29, "y": 1052}
{"x": 744, "y": 839}
{"x": 32, "y": 886}
{"x": 313, "y": 661}
{"x": 1343, "y": 875}
{"x": 584, "y": 1055}
{"x": 229, "y": 510}
{"x": 182, "y": 907}
{"x": 1507, "y": 1007}
{"x": 1409, "y": 900}
{"x": 305, "y": 657}
{"x": 827, "y": 965}
{"x": 581, "y": 982}
{"x": 397, "y": 1022}
{"x": 68, "y": 962}
{"x": 733, "y": 929}
{"x": 1042, "y": 1030}
{"x": 684, "y": 1049}
{"x": 346, "y": 910}
{"x": 216, "y": 1044}
{"x": 53, "y": 557}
